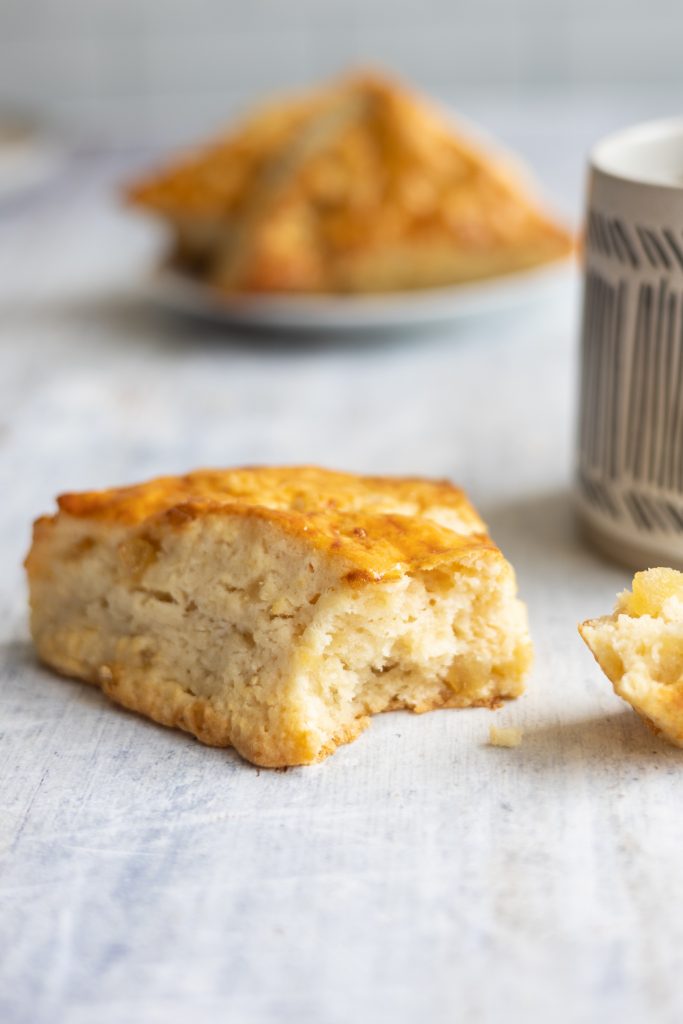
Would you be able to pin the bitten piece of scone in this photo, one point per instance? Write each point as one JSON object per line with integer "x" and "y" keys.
{"x": 274, "y": 610}
{"x": 640, "y": 649}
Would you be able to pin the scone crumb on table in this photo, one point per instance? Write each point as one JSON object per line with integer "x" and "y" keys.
{"x": 505, "y": 736}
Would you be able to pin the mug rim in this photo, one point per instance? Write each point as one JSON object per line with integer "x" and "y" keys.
{"x": 605, "y": 155}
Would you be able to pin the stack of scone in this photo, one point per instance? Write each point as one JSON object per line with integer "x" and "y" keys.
{"x": 357, "y": 187}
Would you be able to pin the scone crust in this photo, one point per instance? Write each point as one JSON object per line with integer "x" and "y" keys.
{"x": 380, "y": 527}
{"x": 168, "y": 704}
{"x": 294, "y": 488}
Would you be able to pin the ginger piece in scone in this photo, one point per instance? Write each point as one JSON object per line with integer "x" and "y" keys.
{"x": 640, "y": 649}
{"x": 274, "y": 610}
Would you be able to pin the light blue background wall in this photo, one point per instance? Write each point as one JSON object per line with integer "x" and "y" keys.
{"x": 122, "y": 68}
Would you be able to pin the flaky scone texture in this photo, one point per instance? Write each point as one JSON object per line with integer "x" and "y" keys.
{"x": 359, "y": 186}
{"x": 276, "y": 609}
{"x": 640, "y": 649}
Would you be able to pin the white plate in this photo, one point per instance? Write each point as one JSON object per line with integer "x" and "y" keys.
{"x": 330, "y": 313}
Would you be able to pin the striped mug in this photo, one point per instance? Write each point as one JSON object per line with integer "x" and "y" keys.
{"x": 629, "y": 481}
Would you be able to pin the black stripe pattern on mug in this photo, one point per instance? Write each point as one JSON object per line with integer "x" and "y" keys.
{"x": 636, "y": 246}
{"x": 631, "y": 425}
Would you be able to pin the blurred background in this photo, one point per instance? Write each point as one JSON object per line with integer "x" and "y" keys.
{"x": 128, "y": 69}
{"x": 446, "y": 883}
{"x": 158, "y": 72}
{"x": 112, "y": 83}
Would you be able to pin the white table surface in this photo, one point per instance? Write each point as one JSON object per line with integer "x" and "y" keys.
{"x": 418, "y": 873}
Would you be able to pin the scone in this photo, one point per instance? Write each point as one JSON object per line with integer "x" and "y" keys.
{"x": 640, "y": 649}
{"x": 357, "y": 187}
{"x": 275, "y": 609}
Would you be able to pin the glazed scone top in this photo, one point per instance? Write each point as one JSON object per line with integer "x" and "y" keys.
{"x": 381, "y": 527}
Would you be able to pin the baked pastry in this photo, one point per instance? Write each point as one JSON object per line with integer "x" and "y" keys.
{"x": 274, "y": 610}
{"x": 640, "y": 649}
{"x": 357, "y": 187}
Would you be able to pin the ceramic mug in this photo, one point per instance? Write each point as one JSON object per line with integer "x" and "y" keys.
{"x": 629, "y": 481}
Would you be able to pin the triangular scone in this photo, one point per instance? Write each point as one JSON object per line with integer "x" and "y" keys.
{"x": 640, "y": 649}
{"x": 274, "y": 610}
{"x": 361, "y": 187}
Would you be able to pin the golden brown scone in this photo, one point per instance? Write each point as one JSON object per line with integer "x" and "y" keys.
{"x": 357, "y": 187}
{"x": 640, "y": 649}
{"x": 275, "y": 609}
